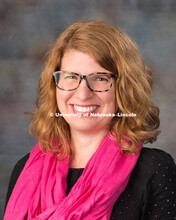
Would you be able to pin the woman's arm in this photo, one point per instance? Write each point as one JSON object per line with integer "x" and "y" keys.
{"x": 161, "y": 190}
{"x": 14, "y": 176}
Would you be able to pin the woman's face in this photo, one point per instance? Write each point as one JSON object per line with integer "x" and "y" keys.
{"x": 83, "y": 100}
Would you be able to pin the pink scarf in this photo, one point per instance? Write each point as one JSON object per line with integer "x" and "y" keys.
{"x": 40, "y": 192}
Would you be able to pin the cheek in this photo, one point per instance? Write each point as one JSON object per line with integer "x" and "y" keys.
{"x": 109, "y": 100}
{"x": 114, "y": 100}
{"x": 61, "y": 97}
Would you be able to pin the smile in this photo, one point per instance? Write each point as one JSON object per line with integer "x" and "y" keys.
{"x": 85, "y": 109}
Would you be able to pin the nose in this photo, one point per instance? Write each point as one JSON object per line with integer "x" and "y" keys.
{"x": 83, "y": 92}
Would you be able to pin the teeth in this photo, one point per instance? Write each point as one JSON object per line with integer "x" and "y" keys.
{"x": 85, "y": 109}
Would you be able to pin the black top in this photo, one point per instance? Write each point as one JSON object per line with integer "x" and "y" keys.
{"x": 150, "y": 193}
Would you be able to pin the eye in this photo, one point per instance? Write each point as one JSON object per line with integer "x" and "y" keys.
{"x": 101, "y": 79}
{"x": 70, "y": 77}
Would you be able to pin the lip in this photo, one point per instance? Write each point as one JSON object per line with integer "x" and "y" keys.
{"x": 84, "y": 112}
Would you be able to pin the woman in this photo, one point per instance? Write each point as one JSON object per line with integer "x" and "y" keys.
{"x": 89, "y": 164}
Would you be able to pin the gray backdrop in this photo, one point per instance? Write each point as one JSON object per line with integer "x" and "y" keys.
{"x": 28, "y": 28}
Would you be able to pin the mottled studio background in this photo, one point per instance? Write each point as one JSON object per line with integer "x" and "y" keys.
{"x": 29, "y": 28}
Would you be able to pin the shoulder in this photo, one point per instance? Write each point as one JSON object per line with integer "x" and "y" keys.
{"x": 152, "y": 165}
{"x": 153, "y": 153}
{"x": 21, "y": 163}
{"x": 15, "y": 174}
{"x": 150, "y": 191}
{"x": 155, "y": 172}
{"x": 19, "y": 167}
{"x": 154, "y": 159}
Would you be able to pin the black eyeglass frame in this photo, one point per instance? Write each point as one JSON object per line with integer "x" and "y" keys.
{"x": 112, "y": 75}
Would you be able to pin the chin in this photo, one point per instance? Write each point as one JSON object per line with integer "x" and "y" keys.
{"x": 88, "y": 127}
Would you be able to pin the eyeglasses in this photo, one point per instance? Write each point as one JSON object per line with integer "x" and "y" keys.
{"x": 97, "y": 82}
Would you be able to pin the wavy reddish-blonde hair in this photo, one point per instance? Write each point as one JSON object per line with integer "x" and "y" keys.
{"x": 115, "y": 51}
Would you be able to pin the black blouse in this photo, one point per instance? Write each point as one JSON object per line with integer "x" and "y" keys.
{"x": 149, "y": 195}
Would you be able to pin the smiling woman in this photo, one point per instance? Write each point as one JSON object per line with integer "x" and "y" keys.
{"x": 94, "y": 167}
{"x": 84, "y": 100}
{"x": 108, "y": 50}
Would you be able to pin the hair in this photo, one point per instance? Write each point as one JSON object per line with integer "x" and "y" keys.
{"x": 115, "y": 51}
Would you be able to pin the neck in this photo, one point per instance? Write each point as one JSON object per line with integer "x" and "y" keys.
{"x": 84, "y": 146}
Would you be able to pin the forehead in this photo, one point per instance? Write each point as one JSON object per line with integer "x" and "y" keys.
{"x": 79, "y": 62}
